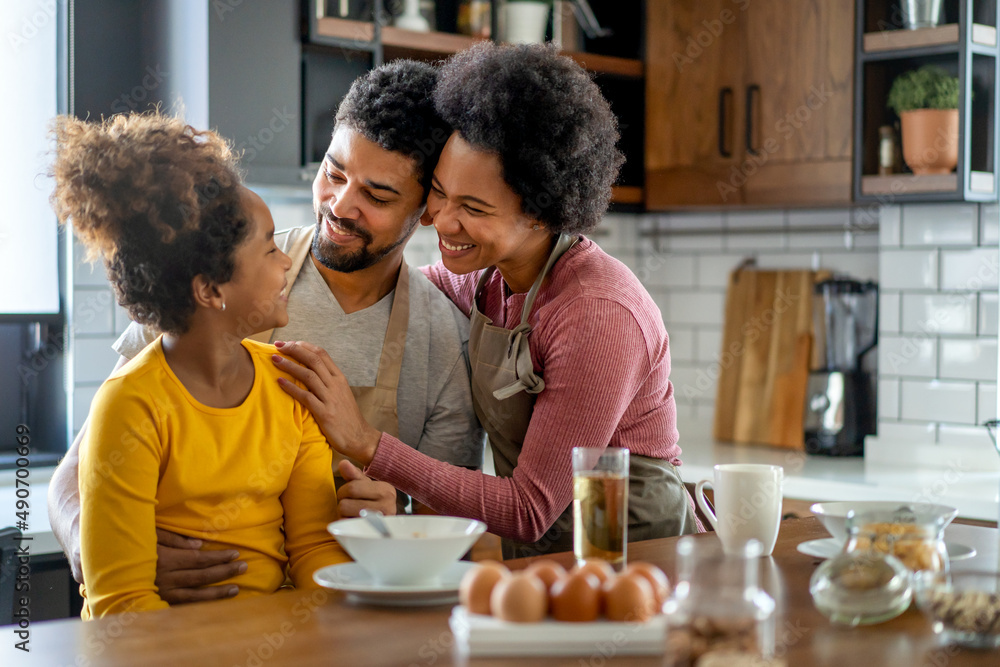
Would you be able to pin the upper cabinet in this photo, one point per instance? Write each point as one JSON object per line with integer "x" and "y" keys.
{"x": 749, "y": 102}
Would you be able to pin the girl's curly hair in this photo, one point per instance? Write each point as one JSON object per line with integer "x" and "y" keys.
{"x": 545, "y": 118}
{"x": 158, "y": 201}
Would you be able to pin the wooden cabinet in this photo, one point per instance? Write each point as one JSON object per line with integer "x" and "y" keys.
{"x": 749, "y": 103}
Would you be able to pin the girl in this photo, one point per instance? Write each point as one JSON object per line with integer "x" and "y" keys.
{"x": 194, "y": 435}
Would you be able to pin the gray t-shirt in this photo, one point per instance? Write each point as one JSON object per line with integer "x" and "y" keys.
{"x": 434, "y": 401}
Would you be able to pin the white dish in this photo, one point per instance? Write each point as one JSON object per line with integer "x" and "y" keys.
{"x": 828, "y": 547}
{"x": 355, "y": 582}
{"x": 477, "y": 635}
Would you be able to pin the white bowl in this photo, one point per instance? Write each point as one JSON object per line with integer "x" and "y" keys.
{"x": 834, "y": 515}
{"x": 420, "y": 550}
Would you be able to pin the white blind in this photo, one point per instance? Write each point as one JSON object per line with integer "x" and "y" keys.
{"x": 29, "y": 279}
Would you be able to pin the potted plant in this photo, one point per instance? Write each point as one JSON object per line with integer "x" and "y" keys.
{"x": 926, "y": 101}
{"x": 525, "y": 21}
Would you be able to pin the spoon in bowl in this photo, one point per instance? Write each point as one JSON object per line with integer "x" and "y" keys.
{"x": 375, "y": 519}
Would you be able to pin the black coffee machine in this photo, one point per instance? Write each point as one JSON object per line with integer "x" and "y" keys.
{"x": 840, "y": 398}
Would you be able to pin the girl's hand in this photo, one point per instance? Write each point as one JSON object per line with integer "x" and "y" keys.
{"x": 328, "y": 397}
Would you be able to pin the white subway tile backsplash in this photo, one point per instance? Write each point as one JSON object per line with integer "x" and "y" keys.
{"x": 713, "y": 270}
{"x": 939, "y": 401}
{"x": 908, "y": 269}
{"x": 968, "y": 359}
{"x": 940, "y": 224}
{"x": 85, "y": 273}
{"x": 617, "y": 232}
{"x": 865, "y": 239}
{"x": 759, "y": 241}
{"x": 859, "y": 264}
{"x": 866, "y": 218}
{"x": 755, "y": 219}
{"x": 82, "y": 398}
{"x": 93, "y": 359}
{"x": 787, "y": 260}
{"x": 890, "y": 226}
{"x": 922, "y": 433}
{"x": 681, "y": 343}
{"x": 690, "y": 307}
{"x": 907, "y": 356}
{"x": 888, "y": 312}
{"x": 974, "y": 269}
{"x": 811, "y": 240}
{"x": 122, "y": 320}
{"x": 989, "y": 224}
{"x": 709, "y": 345}
{"x": 966, "y": 448}
{"x": 820, "y": 217}
{"x": 694, "y": 383}
{"x": 987, "y": 403}
{"x": 941, "y": 313}
{"x": 672, "y": 270}
{"x": 888, "y": 399}
{"x": 695, "y": 221}
{"x": 708, "y": 242}
{"x": 989, "y": 314}
{"x": 93, "y": 311}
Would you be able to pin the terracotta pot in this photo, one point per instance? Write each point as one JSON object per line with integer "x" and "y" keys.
{"x": 930, "y": 140}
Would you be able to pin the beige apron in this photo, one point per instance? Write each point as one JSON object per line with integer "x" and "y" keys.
{"x": 504, "y": 386}
{"x": 378, "y": 403}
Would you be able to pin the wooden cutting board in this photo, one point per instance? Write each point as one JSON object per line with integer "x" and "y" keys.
{"x": 765, "y": 357}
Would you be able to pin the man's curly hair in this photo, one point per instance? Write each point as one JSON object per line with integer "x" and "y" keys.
{"x": 158, "y": 201}
{"x": 546, "y": 120}
{"x": 392, "y": 107}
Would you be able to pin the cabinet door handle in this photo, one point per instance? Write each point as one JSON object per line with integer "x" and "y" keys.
{"x": 751, "y": 89}
{"x": 723, "y": 114}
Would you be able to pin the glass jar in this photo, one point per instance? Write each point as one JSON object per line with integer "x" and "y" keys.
{"x": 915, "y": 537}
{"x": 717, "y": 604}
{"x": 860, "y": 588}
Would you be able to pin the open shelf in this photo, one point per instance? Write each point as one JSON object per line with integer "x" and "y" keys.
{"x": 408, "y": 43}
{"x": 900, "y": 40}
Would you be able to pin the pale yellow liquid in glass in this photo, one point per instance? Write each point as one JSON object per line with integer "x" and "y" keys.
{"x": 600, "y": 516}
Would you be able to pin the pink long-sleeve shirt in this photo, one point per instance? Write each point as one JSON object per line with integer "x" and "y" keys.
{"x": 599, "y": 343}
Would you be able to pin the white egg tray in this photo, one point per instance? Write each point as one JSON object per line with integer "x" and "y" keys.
{"x": 479, "y": 636}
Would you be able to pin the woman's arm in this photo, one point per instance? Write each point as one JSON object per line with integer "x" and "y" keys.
{"x": 590, "y": 379}
{"x": 119, "y": 472}
{"x": 310, "y": 503}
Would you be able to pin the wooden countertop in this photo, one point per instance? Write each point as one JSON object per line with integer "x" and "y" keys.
{"x": 320, "y": 628}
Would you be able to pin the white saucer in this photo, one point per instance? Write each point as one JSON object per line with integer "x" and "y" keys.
{"x": 358, "y": 585}
{"x": 829, "y": 547}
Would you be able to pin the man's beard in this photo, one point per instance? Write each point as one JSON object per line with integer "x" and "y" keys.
{"x": 336, "y": 258}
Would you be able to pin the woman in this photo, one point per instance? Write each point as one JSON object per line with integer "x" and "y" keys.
{"x": 567, "y": 348}
{"x": 192, "y": 436}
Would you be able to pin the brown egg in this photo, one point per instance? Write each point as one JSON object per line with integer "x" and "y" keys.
{"x": 576, "y": 597}
{"x": 548, "y": 571}
{"x": 629, "y": 598}
{"x": 478, "y": 583}
{"x": 520, "y": 598}
{"x": 600, "y": 568}
{"x": 656, "y": 578}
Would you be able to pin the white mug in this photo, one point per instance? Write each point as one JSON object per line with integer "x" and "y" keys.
{"x": 747, "y": 505}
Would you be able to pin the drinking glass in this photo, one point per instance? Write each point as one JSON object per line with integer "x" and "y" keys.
{"x": 600, "y": 504}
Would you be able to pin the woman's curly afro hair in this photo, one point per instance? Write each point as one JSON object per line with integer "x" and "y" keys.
{"x": 547, "y": 121}
{"x": 159, "y": 201}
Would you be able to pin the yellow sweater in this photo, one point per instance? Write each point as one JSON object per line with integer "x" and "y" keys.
{"x": 256, "y": 478}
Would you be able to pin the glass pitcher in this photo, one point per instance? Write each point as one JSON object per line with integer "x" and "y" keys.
{"x": 717, "y": 603}
{"x": 914, "y": 536}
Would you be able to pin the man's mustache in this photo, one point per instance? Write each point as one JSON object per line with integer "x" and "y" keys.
{"x": 345, "y": 223}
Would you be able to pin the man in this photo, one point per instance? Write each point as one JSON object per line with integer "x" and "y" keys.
{"x": 397, "y": 338}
